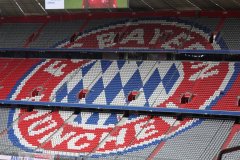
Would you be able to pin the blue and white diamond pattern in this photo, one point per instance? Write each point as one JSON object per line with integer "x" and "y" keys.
{"x": 117, "y": 81}
{"x": 110, "y": 82}
{"x": 159, "y": 85}
{"x": 92, "y": 120}
{"x": 68, "y": 89}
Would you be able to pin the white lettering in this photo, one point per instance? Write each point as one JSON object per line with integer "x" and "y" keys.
{"x": 157, "y": 35}
{"x": 119, "y": 139}
{"x": 106, "y": 40}
{"x": 57, "y": 139}
{"x": 205, "y": 72}
{"x": 135, "y": 35}
{"x": 56, "y": 71}
{"x": 143, "y": 131}
{"x": 50, "y": 124}
{"x": 34, "y": 115}
{"x": 46, "y": 137}
{"x": 74, "y": 140}
{"x": 177, "y": 40}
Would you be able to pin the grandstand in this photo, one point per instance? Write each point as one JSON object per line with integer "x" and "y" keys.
{"x": 156, "y": 81}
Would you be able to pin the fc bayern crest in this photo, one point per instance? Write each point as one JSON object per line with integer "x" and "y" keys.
{"x": 161, "y": 84}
